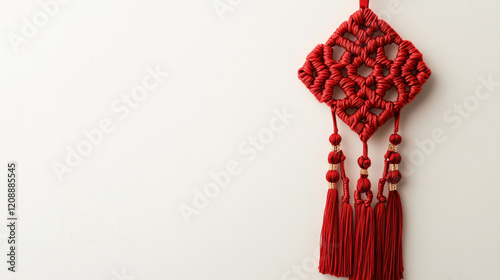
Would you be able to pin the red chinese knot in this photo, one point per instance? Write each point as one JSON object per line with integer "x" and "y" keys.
{"x": 322, "y": 74}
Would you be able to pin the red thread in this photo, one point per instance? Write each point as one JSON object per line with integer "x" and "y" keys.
{"x": 396, "y": 121}
{"x": 407, "y": 72}
{"x": 329, "y": 233}
{"x": 343, "y": 264}
{"x": 364, "y": 252}
{"x": 335, "y": 128}
{"x": 393, "y": 255}
{"x": 380, "y": 224}
{"x": 381, "y": 216}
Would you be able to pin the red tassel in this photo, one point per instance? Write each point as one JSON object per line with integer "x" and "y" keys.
{"x": 343, "y": 264}
{"x": 329, "y": 233}
{"x": 393, "y": 255}
{"x": 364, "y": 251}
{"x": 380, "y": 223}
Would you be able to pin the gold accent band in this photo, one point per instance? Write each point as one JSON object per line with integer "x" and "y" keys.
{"x": 392, "y": 187}
{"x": 336, "y": 148}
{"x": 393, "y": 148}
{"x": 393, "y": 167}
{"x": 363, "y": 171}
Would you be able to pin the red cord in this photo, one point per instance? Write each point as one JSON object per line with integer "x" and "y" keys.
{"x": 335, "y": 129}
{"x": 363, "y": 4}
{"x": 396, "y": 122}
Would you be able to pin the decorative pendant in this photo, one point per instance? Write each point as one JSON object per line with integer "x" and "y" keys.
{"x": 367, "y": 246}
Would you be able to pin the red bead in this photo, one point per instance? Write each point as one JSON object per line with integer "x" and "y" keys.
{"x": 393, "y": 177}
{"x": 335, "y": 139}
{"x": 332, "y": 176}
{"x": 364, "y": 162}
{"x": 395, "y": 139}
{"x": 334, "y": 158}
{"x": 364, "y": 185}
{"x": 394, "y": 158}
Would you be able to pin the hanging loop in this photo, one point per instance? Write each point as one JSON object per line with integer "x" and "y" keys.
{"x": 363, "y": 4}
{"x": 396, "y": 122}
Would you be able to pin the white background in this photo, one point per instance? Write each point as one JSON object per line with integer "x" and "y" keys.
{"x": 116, "y": 215}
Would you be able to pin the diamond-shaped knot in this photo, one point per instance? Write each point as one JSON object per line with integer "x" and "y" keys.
{"x": 356, "y": 61}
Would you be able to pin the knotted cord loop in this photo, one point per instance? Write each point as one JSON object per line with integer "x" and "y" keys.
{"x": 364, "y": 101}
